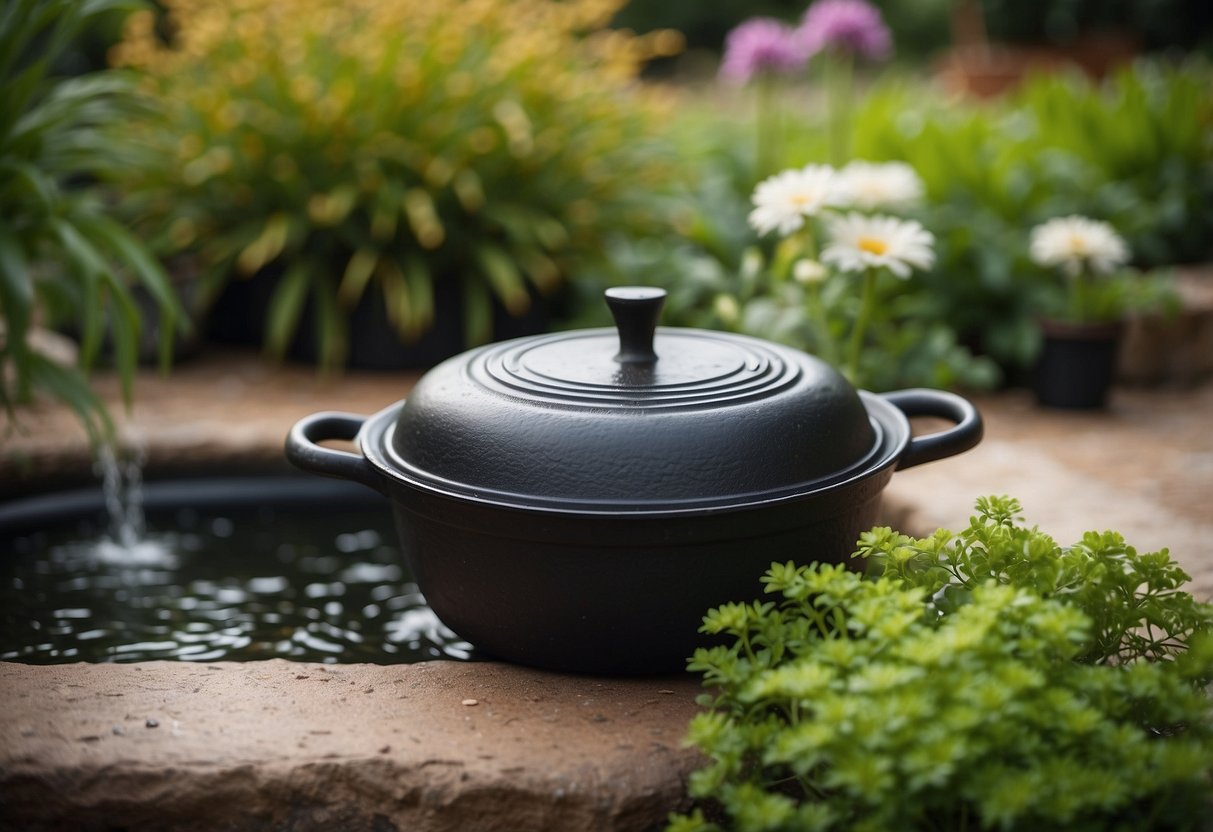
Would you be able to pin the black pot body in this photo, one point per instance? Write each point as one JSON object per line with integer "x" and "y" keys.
{"x": 615, "y": 595}
{"x": 1077, "y": 366}
{"x": 602, "y": 584}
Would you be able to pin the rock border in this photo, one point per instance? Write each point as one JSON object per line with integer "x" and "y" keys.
{"x": 282, "y": 745}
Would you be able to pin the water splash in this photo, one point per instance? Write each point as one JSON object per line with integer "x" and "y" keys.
{"x": 122, "y": 485}
{"x": 127, "y": 543}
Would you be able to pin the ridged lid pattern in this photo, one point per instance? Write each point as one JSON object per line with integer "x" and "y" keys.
{"x": 696, "y": 369}
{"x": 637, "y": 416}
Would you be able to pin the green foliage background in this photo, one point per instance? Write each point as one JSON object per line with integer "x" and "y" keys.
{"x": 1135, "y": 151}
{"x": 64, "y": 259}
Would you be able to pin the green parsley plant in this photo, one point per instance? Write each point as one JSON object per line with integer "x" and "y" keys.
{"x": 986, "y": 680}
{"x": 1135, "y": 602}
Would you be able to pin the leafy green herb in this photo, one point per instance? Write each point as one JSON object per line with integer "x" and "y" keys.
{"x": 982, "y": 680}
{"x": 1112, "y": 298}
{"x": 1135, "y": 602}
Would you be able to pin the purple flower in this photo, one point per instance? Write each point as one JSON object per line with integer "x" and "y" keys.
{"x": 762, "y": 45}
{"x": 853, "y": 26}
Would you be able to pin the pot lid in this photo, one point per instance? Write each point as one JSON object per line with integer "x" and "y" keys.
{"x": 635, "y": 417}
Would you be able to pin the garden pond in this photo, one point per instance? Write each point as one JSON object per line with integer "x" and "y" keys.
{"x": 213, "y": 570}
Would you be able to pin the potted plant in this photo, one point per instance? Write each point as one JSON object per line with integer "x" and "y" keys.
{"x": 363, "y": 164}
{"x": 1083, "y": 318}
{"x": 64, "y": 260}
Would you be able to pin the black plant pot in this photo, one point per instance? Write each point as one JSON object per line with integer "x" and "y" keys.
{"x": 374, "y": 344}
{"x": 239, "y": 313}
{"x": 1077, "y": 364}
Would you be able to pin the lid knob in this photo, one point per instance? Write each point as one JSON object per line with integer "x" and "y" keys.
{"x": 636, "y": 310}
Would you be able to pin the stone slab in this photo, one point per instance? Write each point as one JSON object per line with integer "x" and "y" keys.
{"x": 283, "y": 745}
{"x": 1174, "y": 349}
{"x": 226, "y": 412}
{"x": 1143, "y": 467}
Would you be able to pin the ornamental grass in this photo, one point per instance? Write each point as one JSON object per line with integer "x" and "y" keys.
{"x": 348, "y": 146}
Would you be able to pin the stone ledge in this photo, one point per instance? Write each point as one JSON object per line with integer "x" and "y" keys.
{"x": 282, "y": 745}
{"x": 1173, "y": 349}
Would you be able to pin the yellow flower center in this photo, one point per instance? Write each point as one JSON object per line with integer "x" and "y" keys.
{"x": 1078, "y": 244}
{"x": 800, "y": 200}
{"x": 873, "y": 245}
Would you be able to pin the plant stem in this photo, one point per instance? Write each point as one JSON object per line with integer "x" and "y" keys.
{"x": 767, "y": 128}
{"x": 1076, "y": 297}
{"x": 745, "y": 643}
{"x": 840, "y": 75}
{"x": 818, "y": 311}
{"x": 814, "y": 303}
{"x": 866, "y": 301}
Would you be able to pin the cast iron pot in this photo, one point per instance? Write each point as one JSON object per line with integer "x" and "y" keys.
{"x": 579, "y": 500}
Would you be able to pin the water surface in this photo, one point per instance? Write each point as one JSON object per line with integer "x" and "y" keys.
{"x": 305, "y": 583}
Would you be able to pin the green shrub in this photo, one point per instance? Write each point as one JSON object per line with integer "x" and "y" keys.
{"x": 1136, "y": 152}
{"x": 1135, "y": 601}
{"x": 988, "y": 679}
{"x": 351, "y": 143}
{"x": 64, "y": 259}
{"x": 1141, "y": 148}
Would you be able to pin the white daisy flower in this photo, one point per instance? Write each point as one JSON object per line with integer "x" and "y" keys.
{"x": 782, "y": 201}
{"x": 857, "y": 242}
{"x": 1072, "y": 242}
{"x": 870, "y": 185}
{"x": 808, "y": 271}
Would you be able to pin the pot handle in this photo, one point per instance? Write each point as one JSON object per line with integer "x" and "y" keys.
{"x": 963, "y": 435}
{"x": 303, "y": 450}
